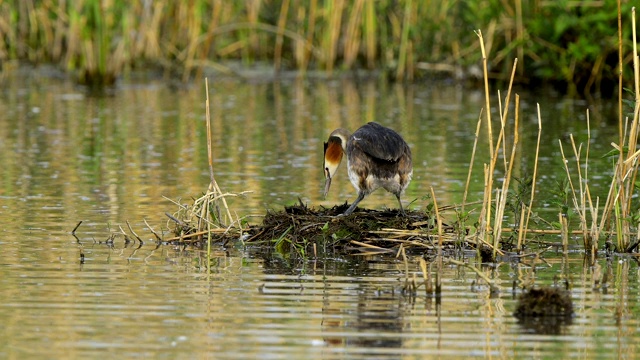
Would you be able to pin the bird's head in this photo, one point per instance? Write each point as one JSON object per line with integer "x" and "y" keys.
{"x": 334, "y": 149}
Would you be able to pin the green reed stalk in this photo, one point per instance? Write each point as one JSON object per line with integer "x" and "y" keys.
{"x": 404, "y": 41}
{"x": 282, "y": 23}
{"x": 334, "y": 10}
{"x": 370, "y": 28}
{"x": 313, "y": 14}
{"x": 352, "y": 35}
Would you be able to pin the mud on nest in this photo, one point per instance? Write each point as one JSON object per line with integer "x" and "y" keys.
{"x": 364, "y": 230}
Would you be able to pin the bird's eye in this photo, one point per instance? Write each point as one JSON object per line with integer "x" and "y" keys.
{"x": 326, "y": 172}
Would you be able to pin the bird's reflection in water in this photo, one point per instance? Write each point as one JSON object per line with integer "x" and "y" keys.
{"x": 375, "y": 322}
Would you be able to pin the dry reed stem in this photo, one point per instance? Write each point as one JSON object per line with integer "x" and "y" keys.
{"x": 629, "y": 186}
{"x": 594, "y": 232}
{"x": 488, "y": 180}
{"x": 581, "y": 206}
{"x": 620, "y": 196}
{"x": 502, "y": 141}
{"x": 543, "y": 231}
{"x": 426, "y": 276}
{"x": 522, "y": 236}
{"x": 439, "y": 257}
{"x": 407, "y": 242}
{"x": 405, "y": 262}
{"x": 438, "y": 221}
{"x": 486, "y": 90}
{"x": 133, "y": 232}
{"x": 363, "y": 244}
{"x": 505, "y": 185}
{"x": 564, "y": 230}
{"x": 158, "y": 237}
{"x": 620, "y": 76}
{"x": 636, "y": 69}
{"x": 590, "y": 233}
{"x": 473, "y": 156}
{"x": 213, "y": 186}
{"x": 494, "y": 159}
{"x": 483, "y": 220}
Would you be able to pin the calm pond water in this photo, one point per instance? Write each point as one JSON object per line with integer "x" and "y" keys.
{"x": 68, "y": 156}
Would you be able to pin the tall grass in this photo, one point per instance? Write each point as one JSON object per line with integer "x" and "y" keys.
{"x": 99, "y": 40}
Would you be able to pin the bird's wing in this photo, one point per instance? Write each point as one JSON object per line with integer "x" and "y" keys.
{"x": 379, "y": 142}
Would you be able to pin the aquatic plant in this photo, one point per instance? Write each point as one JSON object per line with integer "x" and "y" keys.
{"x": 544, "y": 301}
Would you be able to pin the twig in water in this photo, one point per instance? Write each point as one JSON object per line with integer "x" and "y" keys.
{"x": 73, "y": 232}
{"x": 158, "y": 237}
{"x": 484, "y": 276}
{"x": 176, "y": 220}
{"x": 134, "y": 233}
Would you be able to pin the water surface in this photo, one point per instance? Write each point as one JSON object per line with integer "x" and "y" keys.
{"x": 106, "y": 159}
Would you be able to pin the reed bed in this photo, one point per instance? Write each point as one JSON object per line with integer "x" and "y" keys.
{"x": 618, "y": 219}
{"x": 99, "y": 40}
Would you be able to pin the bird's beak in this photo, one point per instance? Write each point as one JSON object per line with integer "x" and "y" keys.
{"x": 332, "y": 157}
{"x": 327, "y": 184}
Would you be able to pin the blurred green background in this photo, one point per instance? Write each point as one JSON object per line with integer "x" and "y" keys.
{"x": 570, "y": 44}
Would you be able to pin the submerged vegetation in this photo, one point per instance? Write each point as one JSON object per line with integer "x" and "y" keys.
{"x": 568, "y": 42}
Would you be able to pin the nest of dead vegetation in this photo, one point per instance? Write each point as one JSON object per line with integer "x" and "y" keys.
{"x": 310, "y": 229}
{"x": 364, "y": 231}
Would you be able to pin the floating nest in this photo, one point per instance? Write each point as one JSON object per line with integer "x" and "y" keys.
{"x": 310, "y": 230}
{"x": 364, "y": 231}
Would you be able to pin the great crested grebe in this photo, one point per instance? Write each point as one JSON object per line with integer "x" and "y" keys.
{"x": 376, "y": 157}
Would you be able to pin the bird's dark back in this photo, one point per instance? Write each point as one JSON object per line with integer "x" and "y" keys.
{"x": 380, "y": 143}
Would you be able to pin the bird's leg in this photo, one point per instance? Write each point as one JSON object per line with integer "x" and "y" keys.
{"x": 355, "y": 203}
{"x": 401, "y": 212}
